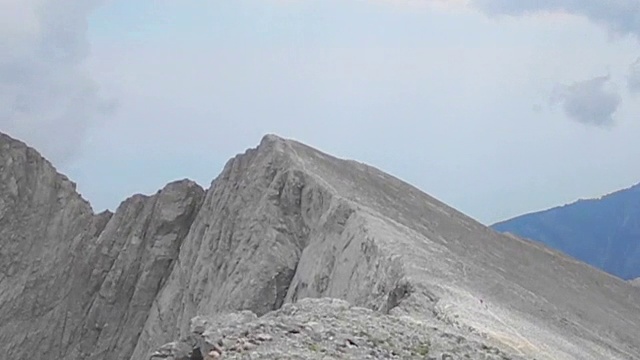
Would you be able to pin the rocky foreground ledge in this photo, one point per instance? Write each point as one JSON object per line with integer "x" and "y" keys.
{"x": 321, "y": 329}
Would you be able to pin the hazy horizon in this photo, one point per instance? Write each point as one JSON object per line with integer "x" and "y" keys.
{"x": 497, "y": 108}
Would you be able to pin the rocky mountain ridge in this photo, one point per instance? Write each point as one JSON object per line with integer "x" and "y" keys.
{"x": 603, "y": 232}
{"x": 74, "y": 284}
{"x": 283, "y": 222}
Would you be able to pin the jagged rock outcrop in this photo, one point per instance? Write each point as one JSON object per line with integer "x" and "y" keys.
{"x": 74, "y": 285}
{"x": 259, "y": 218}
{"x": 285, "y": 222}
{"x": 46, "y": 230}
{"x": 138, "y": 249}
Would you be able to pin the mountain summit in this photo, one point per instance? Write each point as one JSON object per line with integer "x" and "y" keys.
{"x": 603, "y": 232}
{"x": 178, "y": 274}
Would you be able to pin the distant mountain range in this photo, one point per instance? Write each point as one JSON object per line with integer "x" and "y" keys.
{"x": 603, "y": 232}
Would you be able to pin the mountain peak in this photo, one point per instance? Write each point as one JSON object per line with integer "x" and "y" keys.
{"x": 278, "y": 144}
{"x": 272, "y": 138}
{"x": 19, "y": 162}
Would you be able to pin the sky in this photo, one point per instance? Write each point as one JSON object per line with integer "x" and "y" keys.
{"x": 496, "y": 107}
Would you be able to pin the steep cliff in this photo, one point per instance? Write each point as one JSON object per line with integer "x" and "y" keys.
{"x": 262, "y": 215}
{"x": 75, "y": 285}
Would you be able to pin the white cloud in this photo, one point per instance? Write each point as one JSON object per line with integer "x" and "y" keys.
{"x": 589, "y": 102}
{"x": 633, "y": 77}
{"x": 620, "y": 17}
{"x": 46, "y": 98}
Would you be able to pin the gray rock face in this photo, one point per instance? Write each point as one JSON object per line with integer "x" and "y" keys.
{"x": 635, "y": 282}
{"x": 285, "y": 222}
{"x": 260, "y": 218}
{"x": 45, "y": 233}
{"x": 138, "y": 247}
{"x": 75, "y": 285}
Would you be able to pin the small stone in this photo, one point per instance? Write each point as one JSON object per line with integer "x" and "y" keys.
{"x": 217, "y": 348}
{"x": 351, "y": 343}
{"x": 264, "y": 337}
{"x": 227, "y": 343}
{"x": 239, "y": 345}
{"x": 213, "y": 355}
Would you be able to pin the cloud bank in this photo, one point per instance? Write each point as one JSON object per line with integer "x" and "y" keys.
{"x": 589, "y": 102}
{"x": 620, "y": 17}
{"x": 46, "y": 98}
{"x": 633, "y": 77}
